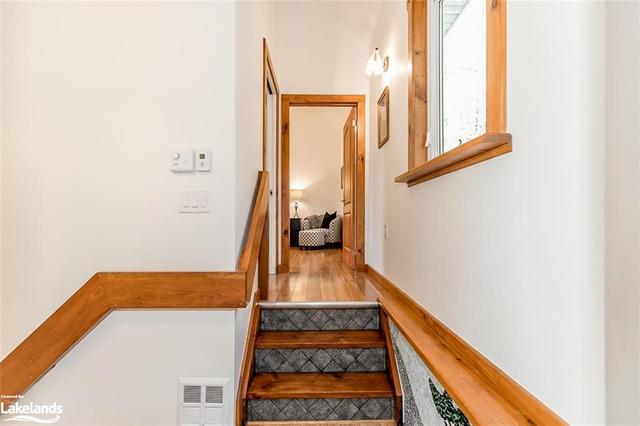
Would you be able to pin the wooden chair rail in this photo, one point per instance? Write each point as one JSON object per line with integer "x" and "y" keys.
{"x": 106, "y": 291}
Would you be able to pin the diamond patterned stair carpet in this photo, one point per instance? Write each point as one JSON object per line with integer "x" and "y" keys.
{"x": 320, "y": 319}
{"x": 321, "y": 409}
{"x": 319, "y": 360}
{"x": 320, "y": 365}
{"x": 326, "y": 423}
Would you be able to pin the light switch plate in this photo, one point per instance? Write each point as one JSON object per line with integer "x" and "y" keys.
{"x": 203, "y": 160}
{"x": 182, "y": 161}
{"x": 194, "y": 201}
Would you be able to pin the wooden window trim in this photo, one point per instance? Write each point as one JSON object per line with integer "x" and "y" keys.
{"x": 496, "y": 141}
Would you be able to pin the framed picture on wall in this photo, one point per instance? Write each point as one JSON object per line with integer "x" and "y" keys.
{"x": 383, "y": 117}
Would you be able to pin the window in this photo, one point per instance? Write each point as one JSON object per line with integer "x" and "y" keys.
{"x": 457, "y": 65}
{"x": 457, "y": 88}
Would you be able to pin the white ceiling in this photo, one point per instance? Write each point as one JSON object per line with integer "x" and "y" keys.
{"x": 356, "y": 17}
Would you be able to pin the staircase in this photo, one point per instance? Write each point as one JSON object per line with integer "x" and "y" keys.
{"x": 323, "y": 362}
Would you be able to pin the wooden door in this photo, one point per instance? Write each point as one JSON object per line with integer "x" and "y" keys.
{"x": 348, "y": 193}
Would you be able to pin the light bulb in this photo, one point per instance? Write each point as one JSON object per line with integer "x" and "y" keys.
{"x": 374, "y": 64}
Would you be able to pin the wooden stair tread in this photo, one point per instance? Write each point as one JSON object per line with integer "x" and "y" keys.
{"x": 328, "y": 422}
{"x": 320, "y": 339}
{"x": 320, "y": 385}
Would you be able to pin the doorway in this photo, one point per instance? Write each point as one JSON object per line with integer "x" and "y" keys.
{"x": 353, "y": 176}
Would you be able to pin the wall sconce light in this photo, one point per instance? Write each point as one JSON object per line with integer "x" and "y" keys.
{"x": 376, "y": 65}
{"x": 296, "y": 197}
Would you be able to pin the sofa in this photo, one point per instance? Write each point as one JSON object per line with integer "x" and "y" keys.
{"x": 313, "y": 235}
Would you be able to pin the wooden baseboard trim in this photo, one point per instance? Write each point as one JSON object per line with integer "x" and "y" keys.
{"x": 362, "y": 268}
{"x": 486, "y": 394}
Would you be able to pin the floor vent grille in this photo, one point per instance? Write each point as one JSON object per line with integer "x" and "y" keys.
{"x": 192, "y": 394}
{"x": 204, "y": 401}
{"x": 214, "y": 394}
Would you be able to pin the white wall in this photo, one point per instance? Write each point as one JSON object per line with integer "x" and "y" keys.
{"x": 322, "y": 47}
{"x": 316, "y": 158}
{"x": 125, "y": 372}
{"x": 623, "y": 212}
{"x": 511, "y": 250}
{"x": 94, "y": 98}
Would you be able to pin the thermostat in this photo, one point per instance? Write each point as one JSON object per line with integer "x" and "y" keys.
{"x": 203, "y": 160}
{"x": 182, "y": 161}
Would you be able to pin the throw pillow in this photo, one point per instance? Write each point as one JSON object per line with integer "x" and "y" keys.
{"x": 326, "y": 220}
{"x": 316, "y": 221}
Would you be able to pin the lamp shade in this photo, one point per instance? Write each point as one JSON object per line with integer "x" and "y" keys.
{"x": 295, "y": 195}
{"x": 375, "y": 64}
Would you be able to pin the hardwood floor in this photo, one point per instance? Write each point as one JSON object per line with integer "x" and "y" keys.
{"x": 320, "y": 276}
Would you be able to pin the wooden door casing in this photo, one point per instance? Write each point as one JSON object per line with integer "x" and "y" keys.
{"x": 357, "y": 102}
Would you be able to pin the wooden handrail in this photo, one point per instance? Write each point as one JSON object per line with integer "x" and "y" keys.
{"x": 248, "y": 261}
{"x": 106, "y": 291}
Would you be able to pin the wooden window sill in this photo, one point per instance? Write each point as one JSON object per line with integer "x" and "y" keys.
{"x": 475, "y": 151}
